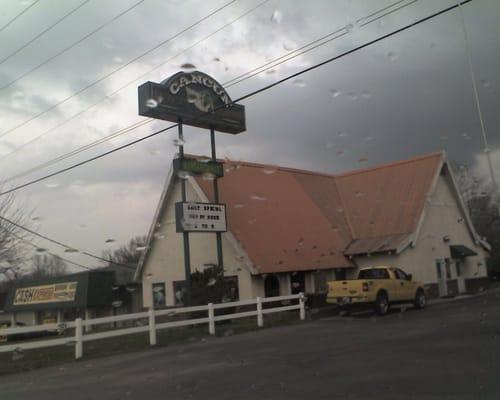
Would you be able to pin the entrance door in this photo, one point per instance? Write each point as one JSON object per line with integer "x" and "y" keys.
{"x": 460, "y": 278}
{"x": 271, "y": 286}
{"x": 441, "y": 277}
{"x": 404, "y": 287}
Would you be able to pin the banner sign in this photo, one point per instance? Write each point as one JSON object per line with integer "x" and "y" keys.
{"x": 57, "y": 292}
{"x": 196, "y": 167}
{"x": 200, "y": 217}
{"x": 195, "y": 98}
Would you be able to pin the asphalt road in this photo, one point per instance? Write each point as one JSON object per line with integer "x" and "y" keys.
{"x": 449, "y": 351}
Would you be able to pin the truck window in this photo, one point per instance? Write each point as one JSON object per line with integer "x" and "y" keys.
{"x": 374, "y": 273}
{"x": 400, "y": 274}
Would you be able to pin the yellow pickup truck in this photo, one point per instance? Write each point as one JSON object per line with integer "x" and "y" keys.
{"x": 376, "y": 287}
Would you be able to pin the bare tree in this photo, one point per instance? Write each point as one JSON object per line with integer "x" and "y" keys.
{"x": 48, "y": 266}
{"x": 128, "y": 254}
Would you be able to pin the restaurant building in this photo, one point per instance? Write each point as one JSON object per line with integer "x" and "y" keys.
{"x": 292, "y": 230}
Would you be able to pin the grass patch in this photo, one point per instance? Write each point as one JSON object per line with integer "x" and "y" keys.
{"x": 39, "y": 358}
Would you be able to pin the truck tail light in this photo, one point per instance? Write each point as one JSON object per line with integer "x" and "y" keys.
{"x": 365, "y": 286}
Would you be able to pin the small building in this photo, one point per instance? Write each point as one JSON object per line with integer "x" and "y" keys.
{"x": 291, "y": 230}
{"x": 88, "y": 294}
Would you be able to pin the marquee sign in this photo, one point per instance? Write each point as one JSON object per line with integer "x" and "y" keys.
{"x": 56, "y": 292}
{"x": 194, "y": 97}
{"x": 200, "y": 217}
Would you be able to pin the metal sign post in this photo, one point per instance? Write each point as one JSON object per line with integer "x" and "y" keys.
{"x": 195, "y": 99}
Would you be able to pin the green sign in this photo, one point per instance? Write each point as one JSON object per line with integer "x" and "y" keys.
{"x": 197, "y": 167}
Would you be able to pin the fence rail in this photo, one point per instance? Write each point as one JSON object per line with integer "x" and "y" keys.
{"x": 152, "y": 325}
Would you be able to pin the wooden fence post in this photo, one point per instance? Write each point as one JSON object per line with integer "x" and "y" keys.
{"x": 78, "y": 339}
{"x": 152, "y": 327}
{"x": 302, "y": 306}
{"x": 211, "y": 319}
{"x": 260, "y": 317}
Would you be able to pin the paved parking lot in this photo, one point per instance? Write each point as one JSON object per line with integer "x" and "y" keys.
{"x": 449, "y": 351}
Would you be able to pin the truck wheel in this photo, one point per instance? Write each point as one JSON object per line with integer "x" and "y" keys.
{"x": 382, "y": 304}
{"x": 420, "y": 299}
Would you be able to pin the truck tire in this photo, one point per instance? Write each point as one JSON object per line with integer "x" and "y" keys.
{"x": 420, "y": 299}
{"x": 382, "y": 304}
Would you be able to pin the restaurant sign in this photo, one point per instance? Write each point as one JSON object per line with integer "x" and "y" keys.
{"x": 197, "y": 167}
{"x": 200, "y": 217}
{"x": 194, "y": 98}
{"x": 57, "y": 292}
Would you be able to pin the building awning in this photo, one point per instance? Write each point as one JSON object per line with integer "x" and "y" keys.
{"x": 461, "y": 251}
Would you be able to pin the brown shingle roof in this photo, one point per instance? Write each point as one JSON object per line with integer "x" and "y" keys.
{"x": 290, "y": 220}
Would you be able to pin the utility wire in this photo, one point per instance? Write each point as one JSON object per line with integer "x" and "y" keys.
{"x": 52, "y": 254}
{"x": 102, "y": 78}
{"x": 18, "y": 16}
{"x": 247, "y": 75}
{"x": 70, "y": 249}
{"x": 36, "y": 138}
{"x": 5, "y": 86}
{"x": 43, "y": 32}
{"x": 267, "y": 87}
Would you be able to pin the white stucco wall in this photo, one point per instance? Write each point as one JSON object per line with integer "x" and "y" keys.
{"x": 442, "y": 217}
{"x": 165, "y": 262}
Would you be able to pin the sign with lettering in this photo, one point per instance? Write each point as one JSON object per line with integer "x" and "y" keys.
{"x": 200, "y": 217}
{"x": 196, "y": 167}
{"x": 196, "y": 99}
{"x": 57, "y": 292}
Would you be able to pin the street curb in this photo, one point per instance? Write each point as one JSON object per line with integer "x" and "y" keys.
{"x": 437, "y": 302}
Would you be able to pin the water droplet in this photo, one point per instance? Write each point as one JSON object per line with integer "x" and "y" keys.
{"x": 110, "y": 240}
{"x": 108, "y": 42}
{"x": 270, "y": 71}
{"x": 392, "y": 56}
{"x": 340, "y": 210}
{"x": 70, "y": 250}
{"x": 276, "y": 16}
{"x": 154, "y": 152}
{"x": 342, "y": 134}
{"x": 289, "y": 46}
{"x": 365, "y": 95}
{"x": 211, "y": 282}
{"x": 83, "y": 226}
{"x": 352, "y": 96}
{"x": 52, "y": 185}
{"x": 41, "y": 250}
{"x": 159, "y": 236}
{"x": 358, "y": 194}
{"x": 335, "y": 93}
{"x": 183, "y": 174}
{"x": 178, "y": 142}
{"x": 151, "y": 103}
{"x": 269, "y": 171}
{"x": 252, "y": 221}
{"x": 340, "y": 152}
{"x": 349, "y": 27}
{"x": 329, "y": 145}
{"x": 188, "y": 66}
{"x": 299, "y": 83}
{"x": 363, "y": 159}
{"x": 36, "y": 219}
{"x": 258, "y": 198}
{"x": 18, "y": 95}
{"x": 239, "y": 205}
{"x": 117, "y": 59}
{"x": 466, "y": 136}
{"x": 485, "y": 83}
{"x": 432, "y": 45}
{"x": 17, "y": 354}
{"x": 140, "y": 248}
{"x": 208, "y": 176}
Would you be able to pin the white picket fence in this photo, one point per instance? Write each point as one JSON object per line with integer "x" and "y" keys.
{"x": 152, "y": 326}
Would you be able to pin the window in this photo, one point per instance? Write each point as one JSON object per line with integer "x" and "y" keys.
{"x": 400, "y": 274}
{"x": 374, "y": 273}
{"x": 158, "y": 295}
{"x": 448, "y": 268}
{"x": 438, "y": 268}
{"x": 458, "y": 266}
{"x": 179, "y": 289}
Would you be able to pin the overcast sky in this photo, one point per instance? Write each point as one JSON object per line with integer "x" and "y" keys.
{"x": 408, "y": 95}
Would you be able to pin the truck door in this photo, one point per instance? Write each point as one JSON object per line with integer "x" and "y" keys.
{"x": 404, "y": 286}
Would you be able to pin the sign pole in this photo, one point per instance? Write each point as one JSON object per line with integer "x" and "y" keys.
{"x": 220, "y": 259}
{"x": 185, "y": 235}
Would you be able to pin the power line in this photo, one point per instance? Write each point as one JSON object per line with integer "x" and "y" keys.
{"x": 267, "y": 87}
{"x": 52, "y": 254}
{"x": 43, "y": 32}
{"x": 18, "y": 16}
{"x": 247, "y": 75}
{"x": 102, "y": 78}
{"x": 131, "y": 82}
{"x": 5, "y": 86}
{"x": 70, "y": 249}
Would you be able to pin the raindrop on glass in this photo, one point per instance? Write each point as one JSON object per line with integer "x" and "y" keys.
{"x": 258, "y": 198}
{"x": 270, "y": 71}
{"x": 485, "y": 83}
{"x": 239, "y": 205}
{"x": 51, "y": 185}
{"x": 17, "y": 354}
{"x": 342, "y": 134}
{"x": 335, "y": 93}
{"x": 117, "y": 59}
{"x": 154, "y": 152}
{"x": 140, "y": 248}
{"x": 363, "y": 159}
{"x": 352, "y": 96}
{"x": 178, "y": 142}
{"x": 36, "y": 219}
{"x": 340, "y": 152}
{"x": 299, "y": 83}
{"x": 183, "y": 174}
{"x": 365, "y": 95}
{"x": 252, "y": 221}
{"x": 340, "y": 210}
{"x": 108, "y": 42}
{"x": 110, "y": 240}
{"x": 151, "y": 103}
{"x": 71, "y": 251}
{"x": 349, "y": 27}
{"x": 392, "y": 56}
{"x": 188, "y": 66}
{"x": 289, "y": 46}
{"x": 276, "y": 16}
{"x": 41, "y": 250}
{"x": 211, "y": 282}
{"x": 269, "y": 171}
{"x": 208, "y": 176}
{"x": 159, "y": 236}
{"x": 443, "y": 137}
{"x": 329, "y": 145}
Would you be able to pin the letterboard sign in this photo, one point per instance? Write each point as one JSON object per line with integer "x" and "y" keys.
{"x": 200, "y": 217}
